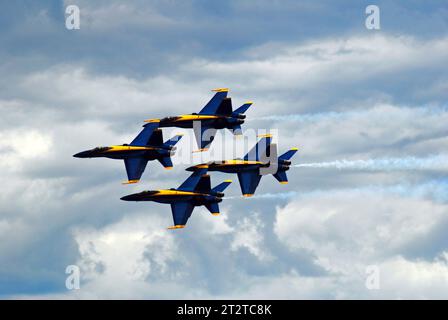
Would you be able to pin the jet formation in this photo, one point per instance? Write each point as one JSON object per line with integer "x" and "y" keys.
{"x": 196, "y": 190}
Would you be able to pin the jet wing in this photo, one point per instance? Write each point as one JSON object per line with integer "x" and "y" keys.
{"x": 181, "y": 213}
{"x": 134, "y": 168}
{"x": 204, "y": 136}
{"x": 212, "y": 106}
{"x": 249, "y": 181}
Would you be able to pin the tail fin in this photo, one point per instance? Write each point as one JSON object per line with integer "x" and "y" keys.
{"x": 261, "y": 148}
{"x": 283, "y": 165}
{"x": 156, "y": 139}
{"x": 190, "y": 183}
{"x": 222, "y": 186}
{"x": 213, "y": 104}
{"x": 244, "y": 107}
{"x": 171, "y": 142}
{"x": 225, "y": 108}
{"x": 288, "y": 154}
{"x": 144, "y": 136}
{"x": 204, "y": 185}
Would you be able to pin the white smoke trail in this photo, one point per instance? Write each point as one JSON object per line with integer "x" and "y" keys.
{"x": 280, "y": 195}
{"x": 438, "y": 162}
{"x": 437, "y": 190}
{"x": 307, "y": 117}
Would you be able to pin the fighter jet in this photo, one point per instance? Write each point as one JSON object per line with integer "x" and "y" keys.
{"x": 195, "y": 191}
{"x": 217, "y": 114}
{"x": 261, "y": 160}
{"x": 147, "y": 146}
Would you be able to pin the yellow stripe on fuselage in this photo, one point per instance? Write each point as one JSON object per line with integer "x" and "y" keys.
{"x": 177, "y": 193}
{"x": 237, "y": 162}
{"x": 195, "y": 117}
{"x": 128, "y": 148}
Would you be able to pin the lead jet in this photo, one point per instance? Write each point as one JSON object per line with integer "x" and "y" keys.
{"x": 195, "y": 191}
{"x": 261, "y": 160}
{"x": 147, "y": 146}
{"x": 217, "y": 114}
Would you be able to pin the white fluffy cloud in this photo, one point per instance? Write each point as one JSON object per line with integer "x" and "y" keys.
{"x": 347, "y": 231}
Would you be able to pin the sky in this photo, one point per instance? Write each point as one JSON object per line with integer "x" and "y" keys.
{"x": 367, "y": 109}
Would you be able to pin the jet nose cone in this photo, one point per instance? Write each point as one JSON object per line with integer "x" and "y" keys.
{"x": 83, "y": 154}
{"x": 192, "y": 168}
{"x": 131, "y": 197}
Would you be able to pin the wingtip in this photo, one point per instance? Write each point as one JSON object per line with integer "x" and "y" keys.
{"x": 268, "y": 135}
{"x": 221, "y": 90}
{"x": 200, "y": 150}
{"x": 216, "y": 213}
{"x": 294, "y": 149}
{"x": 283, "y": 182}
{"x": 248, "y": 195}
{"x": 168, "y": 168}
{"x": 130, "y": 182}
{"x": 229, "y": 181}
{"x": 249, "y": 102}
{"x": 152, "y": 120}
{"x": 177, "y": 226}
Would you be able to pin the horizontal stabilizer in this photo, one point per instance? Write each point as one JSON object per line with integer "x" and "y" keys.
{"x": 288, "y": 154}
{"x": 244, "y": 107}
{"x": 222, "y": 186}
{"x": 171, "y": 142}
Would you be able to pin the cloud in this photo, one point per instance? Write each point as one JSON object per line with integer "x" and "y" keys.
{"x": 368, "y": 100}
{"x": 249, "y": 236}
{"x": 346, "y": 231}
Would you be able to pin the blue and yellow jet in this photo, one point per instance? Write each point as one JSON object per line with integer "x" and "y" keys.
{"x": 195, "y": 191}
{"x": 217, "y": 114}
{"x": 147, "y": 146}
{"x": 261, "y": 160}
